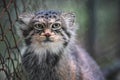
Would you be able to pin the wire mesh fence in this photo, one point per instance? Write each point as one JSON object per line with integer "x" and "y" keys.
{"x": 10, "y": 63}
{"x": 10, "y": 55}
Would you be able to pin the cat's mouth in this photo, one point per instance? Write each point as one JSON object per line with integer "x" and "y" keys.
{"x": 48, "y": 40}
{"x": 44, "y": 39}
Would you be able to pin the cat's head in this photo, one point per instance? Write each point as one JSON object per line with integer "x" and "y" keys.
{"x": 47, "y": 29}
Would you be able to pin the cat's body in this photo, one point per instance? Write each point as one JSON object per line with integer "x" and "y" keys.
{"x": 51, "y": 52}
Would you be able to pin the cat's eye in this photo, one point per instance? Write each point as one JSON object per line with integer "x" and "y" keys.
{"x": 56, "y": 26}
{"x": 38, "y": 26}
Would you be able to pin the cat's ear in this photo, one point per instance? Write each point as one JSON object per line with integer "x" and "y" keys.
{"x": 23, "y": 24}
{"x": 25, "y": 18}
{"x": 69, "y": 18}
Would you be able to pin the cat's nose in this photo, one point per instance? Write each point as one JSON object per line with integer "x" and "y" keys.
{"x": 47, "y": 33}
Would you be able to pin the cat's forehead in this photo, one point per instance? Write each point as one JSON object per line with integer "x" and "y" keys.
{"x": 48, "y": 14}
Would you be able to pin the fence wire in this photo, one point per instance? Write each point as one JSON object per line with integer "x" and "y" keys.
{"x": 10, "y": 63}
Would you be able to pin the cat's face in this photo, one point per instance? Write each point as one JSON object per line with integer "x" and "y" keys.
{"x": 47, "y": 29}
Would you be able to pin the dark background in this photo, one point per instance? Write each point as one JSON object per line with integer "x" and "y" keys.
{"x": 98, "y": 32}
